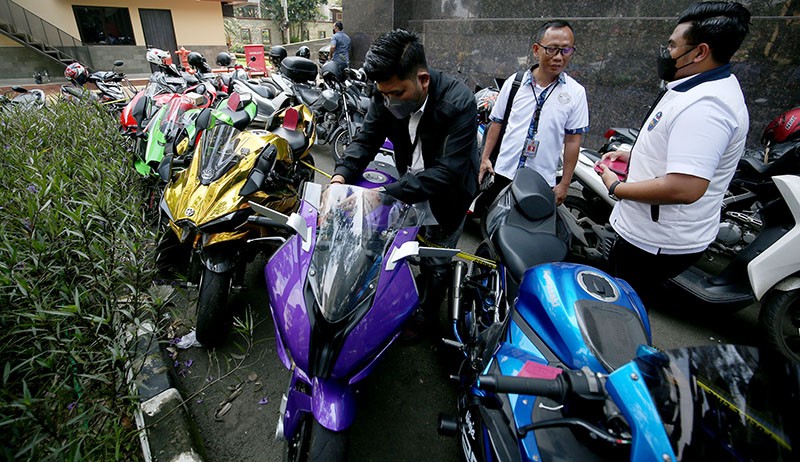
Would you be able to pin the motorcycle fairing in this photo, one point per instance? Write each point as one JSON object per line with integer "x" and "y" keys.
{"x": 629, "y": 391}
{"x": 189, "y": 200}
{"x": 392, "y": 305}
{"x": 286, "y": 276}
{"x": 557, "y": 299}
{"x": 780, "y": 259}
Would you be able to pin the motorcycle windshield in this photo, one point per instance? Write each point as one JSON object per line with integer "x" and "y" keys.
{"x": 356, "y": 226}
{"x": 174, "y": 118}
{"x": 220, "y": 151}
{"x": 725, "y": 402}
{"x": 160, "y": 83}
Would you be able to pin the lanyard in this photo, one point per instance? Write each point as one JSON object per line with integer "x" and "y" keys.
{"x": 533, "y": 128}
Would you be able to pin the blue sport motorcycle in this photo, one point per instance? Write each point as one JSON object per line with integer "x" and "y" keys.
{"x": 557, "y": 363}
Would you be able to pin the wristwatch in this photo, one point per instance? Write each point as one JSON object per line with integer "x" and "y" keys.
{"x": 612, "y": 188}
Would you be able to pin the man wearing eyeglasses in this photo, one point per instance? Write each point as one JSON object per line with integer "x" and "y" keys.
{"x": 549, "y": 112}
{"x": 686, "y": 153}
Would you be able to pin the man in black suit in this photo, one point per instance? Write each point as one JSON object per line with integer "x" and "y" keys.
{"x": 431, "y": 120}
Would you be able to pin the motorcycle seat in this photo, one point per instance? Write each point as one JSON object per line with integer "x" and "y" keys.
{"x": 520, "y": 249}
{"x": 782, "y": 160}
{"x": 308, "y": 95}
{"x": 260, "y": 90}
{"x": 288, "y": 130}
{"x": 534, "y": 197}
{"x": 591, "y": 154}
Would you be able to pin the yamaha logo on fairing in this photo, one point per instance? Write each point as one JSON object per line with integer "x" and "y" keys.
{"x": 189, "y": 212}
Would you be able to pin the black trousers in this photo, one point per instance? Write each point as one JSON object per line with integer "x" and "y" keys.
{"x": 646, "y": 272}
{"x": 434, "y": 272}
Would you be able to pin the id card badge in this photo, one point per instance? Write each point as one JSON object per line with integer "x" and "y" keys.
{"x": 531, "y": 147}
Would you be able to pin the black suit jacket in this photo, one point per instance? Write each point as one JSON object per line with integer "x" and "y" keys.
{"x": 447, "y": 132}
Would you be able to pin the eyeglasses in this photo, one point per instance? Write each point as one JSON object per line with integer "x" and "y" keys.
{"x": 552, "y": 51}
{"x": 666, "y": 50}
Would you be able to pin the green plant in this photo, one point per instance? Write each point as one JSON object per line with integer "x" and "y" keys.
{"x": 75, "y": 274}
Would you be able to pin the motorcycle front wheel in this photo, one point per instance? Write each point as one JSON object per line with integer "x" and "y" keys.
{"x": 780, "y": 321}
{"x": 214, "y": 319}
{"x": 314, "y": 443}
{"x": 339, "y": 143}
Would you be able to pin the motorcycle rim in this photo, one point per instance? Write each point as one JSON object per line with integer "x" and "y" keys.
{"x": 780, "y": 321}
{"x": 340, "y": 142}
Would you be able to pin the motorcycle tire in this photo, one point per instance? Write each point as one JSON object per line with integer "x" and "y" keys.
{"x": 339, "y": 143}
{"x": 779, "y": 320}
{"x": 316, "y": 443}
{"x": 214, "y": 319}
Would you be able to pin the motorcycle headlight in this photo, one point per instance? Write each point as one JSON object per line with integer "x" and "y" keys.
{"x": 227, "y": 222}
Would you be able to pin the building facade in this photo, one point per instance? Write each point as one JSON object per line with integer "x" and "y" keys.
{"x": 98, "y": 32}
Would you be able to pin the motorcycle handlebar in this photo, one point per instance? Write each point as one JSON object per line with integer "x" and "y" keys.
{"x": 261, "y": 221}
{"x": 555, "y": 389}
{"x": 581, "y": 383}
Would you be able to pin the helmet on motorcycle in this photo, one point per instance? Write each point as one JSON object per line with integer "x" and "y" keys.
{"x": 785, "y": 127}
{"x": 224, "y": 59}
{"x": 332, "y": 71}
{"x": 196, "y": 60}
{"x": 304, "y": 52}
{"x": 158, "y": 57}
{"x": 324, "y": 54}
{"x": 276, "y": 55}
{"x": 76, "y": 73}
{"x": 485, "y": 99}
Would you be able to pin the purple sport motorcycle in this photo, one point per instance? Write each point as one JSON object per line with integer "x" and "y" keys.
{"x": 340, "y": 289}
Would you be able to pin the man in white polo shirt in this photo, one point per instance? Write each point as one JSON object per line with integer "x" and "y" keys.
{"x": 549, "y": 113}
{"x": 686, "y": 153}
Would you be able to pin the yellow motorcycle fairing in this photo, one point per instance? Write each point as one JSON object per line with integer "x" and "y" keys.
{"x": 195, "y": 202}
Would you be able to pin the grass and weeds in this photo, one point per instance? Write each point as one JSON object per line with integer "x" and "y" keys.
{"x": 75, "y": 274}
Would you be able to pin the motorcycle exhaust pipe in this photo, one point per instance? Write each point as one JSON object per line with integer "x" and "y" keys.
{"x": 459, "y": 272}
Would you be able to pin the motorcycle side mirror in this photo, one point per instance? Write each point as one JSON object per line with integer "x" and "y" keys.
{"x": 412, "y": 249}
{"x": 118, "y": 63}
{"x": 294, "y": 221}
{"x": 165, "y": 168}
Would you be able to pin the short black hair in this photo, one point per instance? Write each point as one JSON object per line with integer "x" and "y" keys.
{"x": 722, "y": 25}
{"x": 397, "y": 53}
{"x": 555, "y": 23}
{"x": 338, "y": 25}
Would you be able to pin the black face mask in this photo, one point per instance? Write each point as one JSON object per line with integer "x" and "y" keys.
{"x": 665, "y": 64}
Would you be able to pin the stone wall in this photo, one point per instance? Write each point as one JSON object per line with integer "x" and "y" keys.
{"x": 617, "y": 43}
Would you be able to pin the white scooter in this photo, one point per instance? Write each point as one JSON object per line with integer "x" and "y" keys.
{"x": 759, "y": 241}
